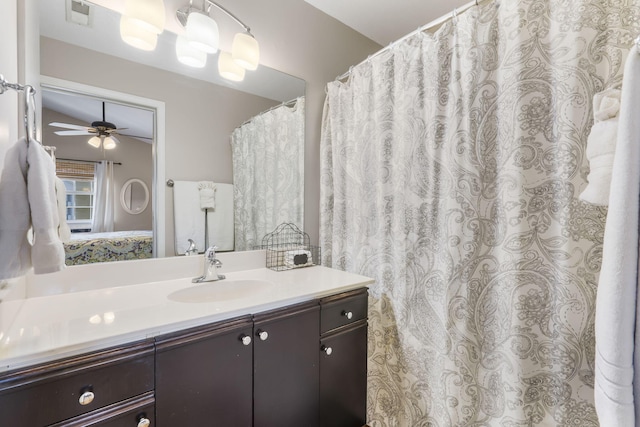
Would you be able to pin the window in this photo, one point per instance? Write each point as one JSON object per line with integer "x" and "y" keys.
{"x": 78, "y": 179}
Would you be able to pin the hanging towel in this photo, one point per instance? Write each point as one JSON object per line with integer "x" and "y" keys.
{"x": 601, "y": 146}
{"x": 220, "y": 231}
{"x": 207, "y": 194}
{"x": 47, "y": 252}
{"x": 15, "y": 214}
{"x": 617, "y": 299}
{"x": 28, "y": 200}
{"x": 64, "y": 232}
{"x": 188, "y": 218}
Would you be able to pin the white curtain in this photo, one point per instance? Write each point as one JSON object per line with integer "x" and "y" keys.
{"x": 268, "y": 173}
{"x": 104, "y": 198}
{"x": 450, "y": 172}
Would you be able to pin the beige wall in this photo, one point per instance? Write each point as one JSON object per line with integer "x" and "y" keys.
{"x": 135, "y": 156}
{"x": 294, "y": 37}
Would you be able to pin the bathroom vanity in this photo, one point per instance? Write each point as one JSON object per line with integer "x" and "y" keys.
{"x": 290, "y": 356}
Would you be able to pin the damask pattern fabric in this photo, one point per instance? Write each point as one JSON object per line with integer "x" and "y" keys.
{"x": 451, "y": 166}
{"x": 268, "y": 173}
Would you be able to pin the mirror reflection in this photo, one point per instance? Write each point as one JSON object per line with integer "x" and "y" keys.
{"x": 190, "y": 140}
{"x": 134, "y": 196}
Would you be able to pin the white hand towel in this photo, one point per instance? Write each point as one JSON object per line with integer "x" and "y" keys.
{"x": 47, "y": 252}
{"x": 15, "y": 214}
{"x": 616, "y": 377}
{"x": 207, "y": 194}
{"x": 64, "y": 232}
{"x": 220, "y": 227}
{"x": 188, "y": 218}
{"x": 601, "y": 146}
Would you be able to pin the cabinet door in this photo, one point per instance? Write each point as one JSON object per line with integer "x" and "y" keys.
{"x": 343, "y": 377}
{"x": 203, "y": 376}
{"x": 286, "y": 367}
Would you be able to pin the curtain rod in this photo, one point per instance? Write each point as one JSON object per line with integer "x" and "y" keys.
{"x": 289, "y": 103}
{"x": 435, "y": 23}
{"x": 86, "y": 161}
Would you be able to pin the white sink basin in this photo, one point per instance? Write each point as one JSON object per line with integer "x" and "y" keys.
{"x": 222, "y": 290}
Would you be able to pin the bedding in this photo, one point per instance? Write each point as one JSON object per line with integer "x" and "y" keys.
{"x": 87, "y": 248}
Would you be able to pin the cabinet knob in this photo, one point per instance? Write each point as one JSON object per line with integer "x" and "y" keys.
{"x": 144, "y": 422}
{"x": 263, "y": 335}
{"x": 327, "y": 350}
{"x": 86, "y": 398}
{"x": 347, "y": 314}
{"x": 246, "y": 339}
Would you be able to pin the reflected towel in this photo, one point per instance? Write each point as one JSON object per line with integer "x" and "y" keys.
{"x": 64, "y": 232}
{"x": 220, "y": 227}
{"x": 188, "y": 218}
{"x": 616, "y": 303}
{"x": 601, "y": 146}
{"x": 207, "y": 191}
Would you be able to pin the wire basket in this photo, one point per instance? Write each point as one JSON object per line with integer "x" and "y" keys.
{"x": 288, "y": 247}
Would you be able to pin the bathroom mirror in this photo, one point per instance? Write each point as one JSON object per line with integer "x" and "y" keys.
{"x": 134, "y": 196}
{"x": 201, "y": 110}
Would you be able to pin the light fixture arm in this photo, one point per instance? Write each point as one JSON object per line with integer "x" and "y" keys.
{"x": 230, "y": 15}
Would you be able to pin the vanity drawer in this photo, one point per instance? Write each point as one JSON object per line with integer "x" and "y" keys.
{"x": 51, "y": 392}
{"x": 343, "y": 309}
{"x": 136, "y": 412}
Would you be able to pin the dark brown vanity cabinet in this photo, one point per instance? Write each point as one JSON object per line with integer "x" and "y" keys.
{"x": 285, "y": 366}
{"x": 343, "y": 361}
{"x": 107, "y": 388}
{"x": 204, "y": 376}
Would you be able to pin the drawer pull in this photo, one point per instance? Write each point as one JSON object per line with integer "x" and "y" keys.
{"x": 327, "y": 350}
{"x": 347, "y": 314}
{"x": 246, "y": 339}
{"x": 86, "y": 398}
{"x": 263, "y": 335}
{"x": 144, "y": 422}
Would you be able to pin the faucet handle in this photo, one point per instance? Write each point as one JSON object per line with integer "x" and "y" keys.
{"x": 210, "y": 254}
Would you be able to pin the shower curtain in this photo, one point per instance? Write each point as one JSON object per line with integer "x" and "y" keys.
{"x": 268, "y": 173}
{"x": 451, "y": 166}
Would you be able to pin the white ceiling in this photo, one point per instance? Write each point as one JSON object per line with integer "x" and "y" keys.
{"x": 385, "y": 21}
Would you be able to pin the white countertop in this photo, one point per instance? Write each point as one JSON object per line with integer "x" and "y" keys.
{"x": 56, "y": 326}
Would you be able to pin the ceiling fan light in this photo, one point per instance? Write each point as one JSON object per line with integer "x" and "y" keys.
{"x": 109, "y": 143}
{"x": 202, "y": 32}
{"x": 148, "y": 15}
{"x": 94, "y": 141}
{"x": 189, "y": 55}
{"x": 229, "y": 69}
{"x": 136, "y": 36}
{"x": 245, "y": 51}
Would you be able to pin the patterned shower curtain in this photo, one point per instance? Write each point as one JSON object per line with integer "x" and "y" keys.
{"x": 451, "y": 166}
{"x": 268, "y": 173}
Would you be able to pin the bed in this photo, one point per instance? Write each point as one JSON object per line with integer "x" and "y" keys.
{"x": 87, "y": 248}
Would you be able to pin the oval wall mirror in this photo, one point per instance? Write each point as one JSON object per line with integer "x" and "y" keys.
{"x": 134, "y": 196}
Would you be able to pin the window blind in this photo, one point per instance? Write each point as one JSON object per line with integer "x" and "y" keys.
{"x": 72, "y": 169}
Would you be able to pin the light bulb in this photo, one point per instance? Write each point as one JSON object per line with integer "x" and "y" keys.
{"x": 149, "y": 15}
{"x": 94, "y": 141}
{"x": 189, "y": 55}
{"x": 202, "y": 32}
{"x": 136, "y": 36}
{"x": 245, "y": 51}
{"x": 109, "y": 143}
{"x": 229, "y": 69}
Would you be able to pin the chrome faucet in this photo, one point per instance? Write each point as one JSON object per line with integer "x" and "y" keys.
{"x": 193, "y": 249}
{"x": 211, "y": 266}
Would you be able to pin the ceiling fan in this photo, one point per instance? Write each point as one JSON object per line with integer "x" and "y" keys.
{"x": 104, "y": 133}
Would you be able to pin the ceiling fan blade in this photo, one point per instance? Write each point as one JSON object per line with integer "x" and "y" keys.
{"x": 67, "y": 126}
{"x": 73, "y": 132}
{"x": 135, "y": 136}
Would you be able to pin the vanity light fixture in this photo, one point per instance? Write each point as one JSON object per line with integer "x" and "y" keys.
{"x": 229, "y": 69}
{"x": 245, "y": 49}
{"x": 137, "y": 36}
{"x": 148, "y": 15}
{"x": 189, "y": 55}
{"x": 141, "y": 23}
